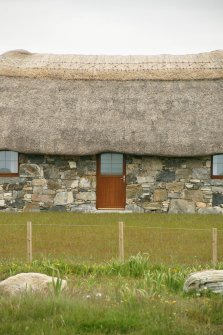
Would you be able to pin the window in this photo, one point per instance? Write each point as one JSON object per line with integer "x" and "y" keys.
{"x": 8, "y": 163}
{"x": 111, "y": 164}
{"x": 217, "y": 166}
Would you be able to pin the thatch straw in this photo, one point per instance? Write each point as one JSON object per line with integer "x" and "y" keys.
{"x": 163, "y": 67}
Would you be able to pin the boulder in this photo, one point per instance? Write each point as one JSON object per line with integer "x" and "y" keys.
{"x": 30, "y": 282}
{"x": 203, "y": 280}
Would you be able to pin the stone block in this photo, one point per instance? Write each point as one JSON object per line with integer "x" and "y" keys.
{"x": 152, "y": 206}
{"x": 200, "y": 173}
{"x": 30, "y": 170}
{"x": 174, "y": 195}
{"x": 165, "y": 176}
{"x": 217, "y": 199}
{"x": 145, "y": 179}
{"x": 132, "y": 168}
{"x": 201, "y": 204}
{"x": 217, "y": 189}
{"x": 181, "y": 206}
{"x": 41, "y": 198}
{"x": 86, "y": 196}
{"x": 28, "y": 197}
{"x": 131, "y": 178}
{"x": 38, "y": 189}
{"x": 84, "y": 182}
{"x": 210, "y": 210}
{"x": 54, "y": 184}
{"x": 134, "y": 208}
{"x": 183, "y": 174}
{"x": 194, "y": 163}
{"x": 160, "y": 195}
{"x": 39, "y": 182}
{"x": 86, "y": 167}
{"x": 194, "y": 195}
{"x": 151, "y": 164}
{"x": 133, "y": 191}
{"x": 195, "y": 180}
{"x": 175, "y": 186}
{"x": 86, "y": 208}
{"x": 69, "y": 174}
{"x": 2, "y": 203}
{"x": 63, "y": 198}
{"x": 7, "y": 196}
{"x": 51, "y": 172}
{"x": 72, "y": 164}
{"x": 74, "y": 183}
{"x": 31, "y": 207}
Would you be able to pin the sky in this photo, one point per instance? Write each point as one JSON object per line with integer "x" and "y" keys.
{"x": 121, "y": 27}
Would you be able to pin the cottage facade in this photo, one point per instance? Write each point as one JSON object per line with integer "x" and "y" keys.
{"x": 92, "y": 133}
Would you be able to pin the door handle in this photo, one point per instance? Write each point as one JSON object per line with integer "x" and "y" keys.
{"x": 123, "y": 178}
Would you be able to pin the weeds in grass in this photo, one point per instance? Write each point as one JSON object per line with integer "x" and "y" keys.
{"x": 113, "y": 298}
{"x": 57, "y": 283}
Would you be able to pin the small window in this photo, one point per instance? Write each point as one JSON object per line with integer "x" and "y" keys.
{"x": 217, "y": 166}
{"x": 8, "y": 163}
{"x": 111, "y": 164}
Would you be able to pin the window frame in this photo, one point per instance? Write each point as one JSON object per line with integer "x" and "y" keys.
{"x": 10, "y": 174}
{"x": 213, "y": 176}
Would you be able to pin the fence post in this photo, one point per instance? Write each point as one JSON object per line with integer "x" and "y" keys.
{"x": 29, "y": 241}
{"x": 121, "y": 241}
{"x": 214, "y": 246}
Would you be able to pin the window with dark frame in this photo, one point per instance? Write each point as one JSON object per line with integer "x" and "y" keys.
{"x": 9, "y": 163}
{"x": 217, "y": 166}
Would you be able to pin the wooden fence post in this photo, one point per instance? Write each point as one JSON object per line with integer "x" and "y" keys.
{"x": 214, "y": 246}
{"x": 121, "y": 241}
{"x": 29, "y": 241}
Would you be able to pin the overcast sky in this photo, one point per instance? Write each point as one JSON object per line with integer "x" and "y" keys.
{"x": 111, "y": 26}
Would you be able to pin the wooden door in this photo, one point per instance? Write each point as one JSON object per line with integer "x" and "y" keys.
{"x": 110, "y": 181}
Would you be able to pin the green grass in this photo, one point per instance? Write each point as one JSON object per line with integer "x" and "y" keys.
{"x": 170, "y": 239}
{"x": 131, "y": 298}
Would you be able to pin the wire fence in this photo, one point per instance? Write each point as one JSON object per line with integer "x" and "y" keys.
{"x": 102, "y": 243}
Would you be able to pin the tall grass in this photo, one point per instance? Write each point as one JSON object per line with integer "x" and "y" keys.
{"x": 135, "y": 297}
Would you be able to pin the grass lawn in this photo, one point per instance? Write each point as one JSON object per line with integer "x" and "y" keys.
{"x": 133, "y": 298}
{"x": 170, "y": 239}
{"x": 142, "y": 296}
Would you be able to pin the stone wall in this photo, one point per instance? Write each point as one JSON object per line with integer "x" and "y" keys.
{"x": 66, "y": 183}
{"x": 55, "y": 183}
{"x": 173, "y": 185}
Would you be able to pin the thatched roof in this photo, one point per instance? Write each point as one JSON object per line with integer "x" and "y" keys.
{"x": 43, "y": 114}
{"x": 21, "y": 63}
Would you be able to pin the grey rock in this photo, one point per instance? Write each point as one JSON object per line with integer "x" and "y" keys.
{"x": 134, "y": 208}
{"x": 86, "y": 208}
{"x": 166, "y": 176}
{"x": 86, "y": 196}
{"x": 30, "y": 170}
{"x": 181, "y": 206}
{"x": 217, "y": 199}
{"x": 205, "y": 280}
{"x": 57, "y": 209}
{"x": 28, "y": 282}
{"x": 201, "y": 173}
{"x": 63, "y": 198}
{"x": 210, "y": 210}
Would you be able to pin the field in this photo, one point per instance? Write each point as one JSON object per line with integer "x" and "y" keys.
{"x": 142, "y": 296}
{"x": 93, "y": 238}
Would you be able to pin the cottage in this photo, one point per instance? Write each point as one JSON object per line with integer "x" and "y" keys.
{"x": 92, "y": 133}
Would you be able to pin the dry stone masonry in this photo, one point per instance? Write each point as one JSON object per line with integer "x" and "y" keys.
{"x": 153, "y": 184}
